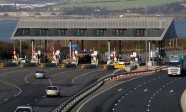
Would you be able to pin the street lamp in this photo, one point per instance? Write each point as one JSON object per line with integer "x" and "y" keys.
{"x": 146, "y": 58}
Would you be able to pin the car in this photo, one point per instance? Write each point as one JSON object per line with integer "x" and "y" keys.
{"x": 23, "y": 60}
{"x": 53, "y": 91}
{"x": 141, "y": 62}
{"x": 40, "y": 74}
{"x": 24, "y": 109}
{"x": 122, "y": 61}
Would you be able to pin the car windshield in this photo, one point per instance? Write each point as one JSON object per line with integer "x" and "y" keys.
{"x": 174, "y": 64}
{"x": 23, "y": 110}
{"x": 52, "y": 88}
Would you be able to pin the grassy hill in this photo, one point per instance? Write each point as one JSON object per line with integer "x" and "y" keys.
{"x": 117, "y": 4}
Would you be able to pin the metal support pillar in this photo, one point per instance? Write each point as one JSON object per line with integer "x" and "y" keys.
{"x": 70, "y": 46}
{"x": 82, "y": 45}
{"x": 149, "y": 51}
{"x": 45, "y": 56}
{"x": 120, "y": 47}
{"x": 20, "y": 49}
{"x": 108, "y": 49}
{"x": 161, "y": 52}
{"x": 153, "y": 49}
{"x": 32, "y": 48}
{"x": 173, "y": 42}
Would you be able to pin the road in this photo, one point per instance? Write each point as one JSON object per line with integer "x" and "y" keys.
{"x": 152, "y": 93}
{"x": 19, "y": 86}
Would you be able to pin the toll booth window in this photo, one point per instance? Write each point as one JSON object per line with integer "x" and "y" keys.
{"x": 60, "y": 32}
{"x": 139, "y": 32}
{"x": 41, "y": 32}
{"x": 79, "y": 32}
{"x": 99, "y": 32}
{"x": 118, "y": 32}
{"x": 23, "y": 32}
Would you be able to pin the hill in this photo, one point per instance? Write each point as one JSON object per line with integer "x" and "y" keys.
{"x": 117, "y": 4}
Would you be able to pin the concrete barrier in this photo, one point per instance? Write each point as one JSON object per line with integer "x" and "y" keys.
{"x": 128, "y": 68}
{"x": 108, "y": 67}
{"x": 7, "y": 64}
{"x": 88, "y": 66}
{"x": 22, "y": 65}
{"x": 119, "y": 66}
{"x": 64, "y": 65}
{"x": 45, "y": 65}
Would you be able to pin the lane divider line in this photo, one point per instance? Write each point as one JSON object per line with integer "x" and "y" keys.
{"x": 73, "y": 80}
{"x": 78, "y": 110}
{"x": 160, "y": 89}
{"x": 27, "y": 77}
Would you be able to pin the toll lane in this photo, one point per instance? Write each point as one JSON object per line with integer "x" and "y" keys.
{"x": 136, "y": 95}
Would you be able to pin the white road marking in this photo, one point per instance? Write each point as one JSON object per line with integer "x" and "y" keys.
{"x": 50, "y": 81}
{"x": 152, "y": 97}
{"x": 20, "y": 90}
{"x": 171, "y": 91}
{"x": 145, "y": 90}
{"x": 56, "y": 75}
{"x": 5, "y": 99}
{"x": 105, "y": 91}
{"x": 27, "y": 77}
{"x": 119, "y": 89}
{"x": 73, "y": 80}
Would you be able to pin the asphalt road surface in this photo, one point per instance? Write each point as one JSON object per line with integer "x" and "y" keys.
{"x": 151, "y": 93}
{"x": 19, "y": 86}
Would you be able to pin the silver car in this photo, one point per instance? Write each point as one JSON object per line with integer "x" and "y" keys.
{"x": 24, "y": 109}
{"x": 53, "y": 91}
{"x": 40, "y": 74}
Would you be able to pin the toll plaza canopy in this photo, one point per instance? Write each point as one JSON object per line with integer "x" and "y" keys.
{"x": 149, "y": 28}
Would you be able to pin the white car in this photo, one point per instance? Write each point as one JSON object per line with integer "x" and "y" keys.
{"x": 40, "y": 74}
{"x": 24, "y": 109}
{"x": 53, "y": 91}
{"x": 121, "y": 62}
